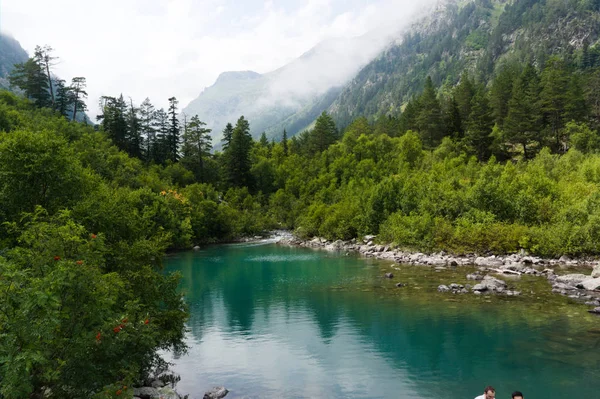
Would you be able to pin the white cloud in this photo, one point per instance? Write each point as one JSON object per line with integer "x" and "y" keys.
{"x": 161, "y": 48}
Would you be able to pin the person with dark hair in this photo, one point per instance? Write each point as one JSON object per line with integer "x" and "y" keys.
{"x": 517, "y": 395}
{"x": 488, "y": 393}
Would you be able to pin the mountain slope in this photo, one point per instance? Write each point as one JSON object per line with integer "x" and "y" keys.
{"x": 477, "y": 36}
{"x": 11, "y": 53}
{"x": 291, "y": 96}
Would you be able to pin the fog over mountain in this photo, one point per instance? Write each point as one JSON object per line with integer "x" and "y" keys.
{"x": 292, "y": 96}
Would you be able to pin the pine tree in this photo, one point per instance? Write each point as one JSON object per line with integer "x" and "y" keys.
{"x": 501, "y": 93}
{"x": 227, "y": 135}
{"x": 160, "y": 147}
{"x": 323, "y": 135}
{"x": 576, "y": 108}
{"x": 453, "y": 120}
{"x": 553, "y": 98}
{"x": 237, "y": 155}
{"x": 44, "y": 57}
{"x": 174, "y": 130}
{"x": 522, "y": 124}
{"x": 263, "y": 141}
{"x": 31, "y": 79}
{"x": 479, "y": 125}
{"x": 113, "y": 120}
{"x": 463, "y": 94}
{"x": 408, "y": 118}
{"x": 429, "y": 120}
{"x": 284, "y": 143}
{"x": 78, "y": 93}
{"x": 134, "y": 131}
{"x": 147, "y": 128}
{"x": 64, "y": 96}
{"x": 196, "y": 147}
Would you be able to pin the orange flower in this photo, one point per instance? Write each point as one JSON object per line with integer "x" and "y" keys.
{"x": 163, "y": 192}
{"x": 146, "y": 321}
{"x": 124, "y": 320}
{"x": 57, "y": 258}
{"x": 79, "y": 262}
{"x": 94, "y": 236}
{"x": 124, "y": 387}
{"x": 117, "y": 329}
{"x": 98, "y": 336}
{"x": 119, "y": 392}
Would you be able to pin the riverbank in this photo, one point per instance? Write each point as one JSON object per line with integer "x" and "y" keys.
{"x": 579, "y": 279}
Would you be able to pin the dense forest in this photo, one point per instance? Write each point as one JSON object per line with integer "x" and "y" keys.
{"x": 494, "y": 164}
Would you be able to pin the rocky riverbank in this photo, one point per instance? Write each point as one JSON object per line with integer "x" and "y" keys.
{"x": 158, "y": 390}
{"x": 583, "y": 286}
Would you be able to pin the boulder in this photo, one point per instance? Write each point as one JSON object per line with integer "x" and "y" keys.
{"x": 564, "y": 259}
{"x": 389, "y": 275}
{"x": 216, "y": 393}
{"x": 563, "y": 286}
{"x": 196, "y": 248}
{"x": 492, "y": 261}
{"x": 443, "y": 288}
{"x": 479, "y": 287}
{"x": 146, "y": 393}
{"x": 593, "y": 303}
{"x": 596, "y": 272}
{"x": 474, "y": 276}
{"x": 400, "y": 285}
{"x": 595, "y": 310}
{"x": 572, "y": 279}
{"x": 493, "y": 284}
{"x": 590, "y": 284}
{"x": 168, "y": 393}
{"x": 157, "y": 384}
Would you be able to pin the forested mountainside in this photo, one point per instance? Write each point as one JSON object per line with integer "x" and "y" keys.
{"x": 290, "y": 97}
{"x": 11, "y": 53}
{"x": 481, "y": 37}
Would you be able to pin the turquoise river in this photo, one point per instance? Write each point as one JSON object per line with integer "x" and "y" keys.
{"x": 270, "y": 321}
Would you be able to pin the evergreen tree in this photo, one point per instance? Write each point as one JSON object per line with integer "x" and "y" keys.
{"x": 408, "y": 118}
{"x": 463, "y": 95}
{"x": 160, "y": 148}
{"x": 227, "y": 135}
{"x": 323, "y": 135}
{"x": 284, "y": 143}
{"x": 196, "y": 147}
{"x": 78, "y": 94}
{"x": 174, "y": 130}
{"x": 237, "y": 155}
{"x": 501, "y": 93}
{"x": 479, "y": 125}
{"x": 134, "y": 131}
{"x": 44, "y": 57}
{"x": 429, "y": 120}
{"x": 522, "y": 124}
{"x": 147, "y": 128}
{"x": 453, "y": 120}
{"x": 113, "y": 120}
{"x": 31, "y": 79}
{"x": 64, "y": 96}
{"x": 592, "y": 96}
{"x": 553, "y": 98}
{"x": 263, "y": 141}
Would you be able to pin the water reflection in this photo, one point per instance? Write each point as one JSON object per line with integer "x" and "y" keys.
{"x": 268, "y": 321}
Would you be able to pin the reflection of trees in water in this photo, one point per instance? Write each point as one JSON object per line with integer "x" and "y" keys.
{"x": 463, "y": 348}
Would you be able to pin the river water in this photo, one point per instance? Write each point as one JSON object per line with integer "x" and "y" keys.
{"x": 270, "y": 321}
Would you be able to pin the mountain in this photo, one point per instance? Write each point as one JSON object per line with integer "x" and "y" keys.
{"x": 291, "y": 96}
{"x": 475, "y": 36}
{"x": 11, "y": 53}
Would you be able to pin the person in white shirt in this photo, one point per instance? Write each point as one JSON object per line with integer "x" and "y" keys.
{"x": 488, "y": 393}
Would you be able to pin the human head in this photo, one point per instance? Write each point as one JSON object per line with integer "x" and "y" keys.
{"x": 490, "y": 392}
{"x": 517, "y": 395}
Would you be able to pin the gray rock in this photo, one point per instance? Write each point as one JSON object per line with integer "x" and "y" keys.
{"x": 216, "y": 393}
{"x": 443, "y": 288}
{"x": 196, "y": 248}
{"x": 493, "y": 284}
{"x": 479, "y": 287}
{"x": 477, "y": 292}
{"x": 157, "y": 384}
{"x": 596, "y": 272}
{"x": 491, "y": 261}
{"x": 593, "y": 303}
{"x": 389, "y": 275}
{"x": 595, "y": 310}
{"x": 168, "y": 393}
{"x": 564, "y": 259}
{"x": 454, "y": 286}
{"x": 563, "y": 286}
{"x": 474, "y": 276}
{"x": 468, "y": 286}
{"x": 146, "y": 393}
{"x": 400, "y": 285}
{"x": 572, "y": 279}
{"x": 453, "y": 263}
{"x": 590, "y": 284}
{"x": 464, "y": 291}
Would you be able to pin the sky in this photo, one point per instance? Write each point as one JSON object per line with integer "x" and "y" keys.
{"x": 164, "y": 48}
